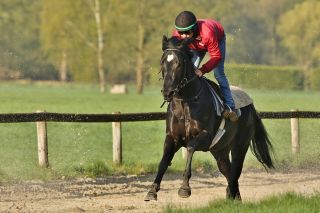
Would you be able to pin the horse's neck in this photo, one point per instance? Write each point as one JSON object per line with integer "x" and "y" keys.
{"x": 191, "y": 90}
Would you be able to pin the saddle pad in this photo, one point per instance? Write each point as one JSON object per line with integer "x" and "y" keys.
{"x": 216, "y": 100}
{"x": 240, "y": 97}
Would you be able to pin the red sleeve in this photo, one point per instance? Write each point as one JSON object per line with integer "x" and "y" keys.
{"x": 176, "y": 34}
{"x": 213, "y": 49}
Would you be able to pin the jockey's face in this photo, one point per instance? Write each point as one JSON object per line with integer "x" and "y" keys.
{"x": 186, "y": 34}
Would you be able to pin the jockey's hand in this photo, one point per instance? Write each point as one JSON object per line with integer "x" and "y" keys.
{"x": 199, "y": 73}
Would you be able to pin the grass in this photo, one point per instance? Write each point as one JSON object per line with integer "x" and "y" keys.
{"x": 86, "y": 149}
{"x": 289, "y": 202}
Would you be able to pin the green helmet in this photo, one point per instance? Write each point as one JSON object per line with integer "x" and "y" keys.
{"x": 185, "y": 21}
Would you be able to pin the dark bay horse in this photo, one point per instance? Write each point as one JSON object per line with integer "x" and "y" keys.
{"x": 192, "y": 122}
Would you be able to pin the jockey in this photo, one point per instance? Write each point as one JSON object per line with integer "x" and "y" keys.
{"x": 208, "y": 37}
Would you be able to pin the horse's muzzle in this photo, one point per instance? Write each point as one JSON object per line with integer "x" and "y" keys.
{"x": 167, "y": 95}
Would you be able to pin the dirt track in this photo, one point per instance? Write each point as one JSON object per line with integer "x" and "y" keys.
{"x": 119, "y": 194}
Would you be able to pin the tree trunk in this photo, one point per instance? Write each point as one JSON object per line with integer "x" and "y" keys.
{"x": 140, "y": 59}
{"x": 63, "y": 67}
{"x": 274, "y": 46}
{"x": 306, "y": 73}
{"x": 100, "y": 45}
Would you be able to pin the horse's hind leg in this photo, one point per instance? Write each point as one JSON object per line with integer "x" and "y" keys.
{"x": 238, "y": 153}
{"x": 168, "y": 152}
{"x": 223, "y": 162}
{"x": 185, "y": 190}
{"x": 224, "y": 165}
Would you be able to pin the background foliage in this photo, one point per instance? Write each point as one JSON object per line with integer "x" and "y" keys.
{"x": 36, "y": 33}
{"x": 266, "y": 77}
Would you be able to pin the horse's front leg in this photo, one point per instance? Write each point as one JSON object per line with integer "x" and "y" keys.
{"x": 170, "y": 148}
{"x": 185, "y": 190}
{"x": 200, "y": 142}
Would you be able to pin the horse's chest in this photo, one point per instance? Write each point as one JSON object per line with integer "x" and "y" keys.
{"x": 192, "y": 125}
{"x": 187, "y": 126}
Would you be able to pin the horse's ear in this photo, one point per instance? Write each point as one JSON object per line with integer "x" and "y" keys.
{"x": 164, "y": 39}
{"x": 164, "y": 42}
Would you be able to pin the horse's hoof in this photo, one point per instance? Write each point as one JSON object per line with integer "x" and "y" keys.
{"x": 150, "y": 196}
{"x": 238, "y": 197}
{"x": 231, "y": 196}
{"x": 184, "y": 192}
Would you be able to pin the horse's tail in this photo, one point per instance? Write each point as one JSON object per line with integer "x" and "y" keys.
{"x": 261, "y": 145}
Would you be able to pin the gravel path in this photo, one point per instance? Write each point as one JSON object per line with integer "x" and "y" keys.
{"x": 126, "y": 193}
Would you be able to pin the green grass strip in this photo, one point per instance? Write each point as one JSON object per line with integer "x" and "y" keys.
{"x": 289, "y": 202}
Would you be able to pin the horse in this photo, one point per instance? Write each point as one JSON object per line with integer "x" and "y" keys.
{"x": 192, "y": 122}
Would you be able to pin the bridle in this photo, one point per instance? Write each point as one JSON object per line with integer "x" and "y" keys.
{"x": 184, "y": 81}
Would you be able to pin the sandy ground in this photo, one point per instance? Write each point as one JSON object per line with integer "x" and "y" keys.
{"x": 126, "y": 193}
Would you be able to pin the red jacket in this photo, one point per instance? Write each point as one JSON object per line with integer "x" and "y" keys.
{"x": 211, "y": 33}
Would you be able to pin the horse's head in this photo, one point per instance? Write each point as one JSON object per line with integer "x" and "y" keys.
{"x": 176, "y": 65}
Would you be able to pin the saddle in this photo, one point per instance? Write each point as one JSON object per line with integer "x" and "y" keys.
{"x": 217, "y": 98}
{"x": 240, "y": 97}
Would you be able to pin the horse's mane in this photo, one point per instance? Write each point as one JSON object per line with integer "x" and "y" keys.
{"x": 175, "y": 43}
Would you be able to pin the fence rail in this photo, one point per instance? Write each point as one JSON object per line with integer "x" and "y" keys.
{"x": 152, "y": 116}
{"x": 41, "y": 117}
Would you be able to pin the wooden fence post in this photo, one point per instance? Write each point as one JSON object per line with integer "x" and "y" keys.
{"x": 42, "y": 142}
{"x": 117, "y": 141}
{"x": 295, "y": 144}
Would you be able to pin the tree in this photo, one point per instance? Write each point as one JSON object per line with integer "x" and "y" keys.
{"x": 271, "y": 10}
{"x": 145, "y": 24}
{"x": 250, "y": 27}
{"x": 55, "y": 36}
{"x": 112, "y": 41}
{"x": 298, "y": 30}
{"x": 95, "y": 7}
{"x": 138, "y": 36}
{"x": 19, "y": 42}
{"x": 74, "y": 29}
